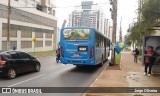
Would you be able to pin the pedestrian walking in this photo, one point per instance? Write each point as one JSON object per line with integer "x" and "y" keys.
{"x": 136, "y": 53}
{"x": 150, "y": 56}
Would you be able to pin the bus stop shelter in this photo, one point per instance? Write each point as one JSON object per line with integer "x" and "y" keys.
{"x": 153, "y": 41}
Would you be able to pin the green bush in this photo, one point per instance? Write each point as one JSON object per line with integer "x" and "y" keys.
{"x": 42, "y": 53}
{"x": 118, "y": 58}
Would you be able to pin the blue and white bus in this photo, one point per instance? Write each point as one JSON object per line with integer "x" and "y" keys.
{"x": 83, "y": 46}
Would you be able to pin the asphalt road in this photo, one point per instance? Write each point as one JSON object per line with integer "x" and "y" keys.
{"x": 54, "y": 74}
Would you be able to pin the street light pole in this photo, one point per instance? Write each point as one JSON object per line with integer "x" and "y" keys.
{"x": 8, "y": 25}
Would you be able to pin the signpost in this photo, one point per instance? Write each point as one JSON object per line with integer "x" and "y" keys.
{"x": 34, "y": 41}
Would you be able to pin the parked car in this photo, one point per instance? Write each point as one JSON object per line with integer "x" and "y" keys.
{"x": 15, "y": 62}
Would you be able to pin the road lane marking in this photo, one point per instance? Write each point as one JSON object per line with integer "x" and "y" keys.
{"x": 26, "y": 80}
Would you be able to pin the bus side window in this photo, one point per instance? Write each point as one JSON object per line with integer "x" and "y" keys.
{"x": 96, "y": 40}
{"x": 101, "y": 40}
{"x": 108, "y": 43}
{"x": 105, "y": 42}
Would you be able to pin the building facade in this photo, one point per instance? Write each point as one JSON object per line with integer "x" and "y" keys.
{"x": 88, "y": 15}
{"x": 29, "y": 19}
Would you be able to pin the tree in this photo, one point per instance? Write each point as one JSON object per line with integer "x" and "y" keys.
{"x": 150, "y": 13}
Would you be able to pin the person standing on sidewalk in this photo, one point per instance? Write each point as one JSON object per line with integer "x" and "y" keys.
{"x": 136, "y": 53}
{"x": 149, "y": 59}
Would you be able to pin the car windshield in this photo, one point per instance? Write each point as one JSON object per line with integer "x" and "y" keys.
{"x": 76, "y": 34}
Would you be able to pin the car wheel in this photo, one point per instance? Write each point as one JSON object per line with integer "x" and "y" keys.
{"x": 11, "y": 73}
{"x": 37, "y": 67}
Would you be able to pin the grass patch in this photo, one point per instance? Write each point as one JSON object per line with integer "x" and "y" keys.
{"x": 118, "y": 58}
{"x": 140, "y": 58}
{"x": 42, "y": 53}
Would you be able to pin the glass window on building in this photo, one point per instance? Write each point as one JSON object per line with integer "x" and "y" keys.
{"x": 26, "y": 44}
{"x": 4, "y": 44}
{"x": 38, "y": 34}
{"x": 26, "y": 34}
{"x": 13, "y": 33}
{"x": 39, "y": 44}
{"x": 48, "y": 35}
{"x": 4, "y": 32}
{"x": 4, "y": 12}
{"x": 48, "y": 43}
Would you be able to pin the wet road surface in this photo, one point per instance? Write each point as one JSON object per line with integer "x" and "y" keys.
{"x": 54, "y": 74}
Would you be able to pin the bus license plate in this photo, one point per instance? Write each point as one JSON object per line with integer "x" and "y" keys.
{"x": 82, "y": 48}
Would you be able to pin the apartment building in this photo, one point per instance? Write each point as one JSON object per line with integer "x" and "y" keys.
{"x": 88, "y": 15}
{"x": 29, "y": 19}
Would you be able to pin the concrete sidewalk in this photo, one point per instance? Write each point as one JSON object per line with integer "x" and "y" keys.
{"x": 130, "y": 75}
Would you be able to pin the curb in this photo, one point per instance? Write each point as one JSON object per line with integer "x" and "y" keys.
{"x": 84, "y": 94}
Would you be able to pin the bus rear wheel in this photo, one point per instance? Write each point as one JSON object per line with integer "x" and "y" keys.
{"x": 79, "y": 66}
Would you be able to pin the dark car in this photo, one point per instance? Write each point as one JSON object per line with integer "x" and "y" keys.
{"x": 14, "y": 62}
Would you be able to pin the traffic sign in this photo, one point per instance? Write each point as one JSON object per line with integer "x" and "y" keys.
{"x": 34, "y": 40}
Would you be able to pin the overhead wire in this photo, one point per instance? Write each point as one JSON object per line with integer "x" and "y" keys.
{"x": 66, "y": 6}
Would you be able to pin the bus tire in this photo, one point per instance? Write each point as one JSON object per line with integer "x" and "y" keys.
{"x": 79, "y": 66}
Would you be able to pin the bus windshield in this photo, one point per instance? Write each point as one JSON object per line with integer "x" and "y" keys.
{"x": 76, "y": 34}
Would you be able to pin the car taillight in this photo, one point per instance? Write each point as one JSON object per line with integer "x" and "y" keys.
{"x": 62, "y": 51}
{"x": 92, "y": 52}
{"x": 2, "y": 63}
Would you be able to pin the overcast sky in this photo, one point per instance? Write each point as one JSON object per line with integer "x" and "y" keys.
{"x": 127, "y": 9}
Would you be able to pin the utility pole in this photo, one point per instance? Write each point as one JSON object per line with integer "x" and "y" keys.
{"x": 114, "y": 18}
{"x": 8, "y": 25}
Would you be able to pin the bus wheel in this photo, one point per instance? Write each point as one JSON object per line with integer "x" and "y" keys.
{"x": 11, "y": 73}
{"x": 79, "y": 66}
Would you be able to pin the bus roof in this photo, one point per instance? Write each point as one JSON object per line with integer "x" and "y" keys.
{"x": 77, "y": 27}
